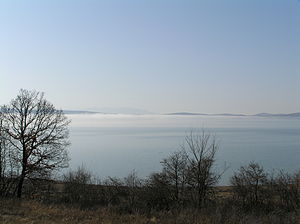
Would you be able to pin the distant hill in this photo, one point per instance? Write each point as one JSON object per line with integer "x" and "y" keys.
{"x": 69, "y": 112}
{"x": 140, "y": 112}
{"x": 187, "y": 113}
{"x": 277, "y": 115}
{"x": 226, "y": 114}
{"x": 80, "y": 112}
{"x": 234, "y": 115}
{"x": 121, "y": 110}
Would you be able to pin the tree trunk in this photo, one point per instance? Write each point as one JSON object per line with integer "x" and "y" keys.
{"x": 176, "y": 188}
{"x": 20, "y": 184}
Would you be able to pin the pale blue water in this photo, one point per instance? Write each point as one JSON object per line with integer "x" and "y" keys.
{"x": 114, "y": 145}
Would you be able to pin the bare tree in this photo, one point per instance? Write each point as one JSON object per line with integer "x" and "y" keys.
{"x": 201, "y": 149}
{"x": 2, "y": 152}
{"x": 8, "y": 167}
{"x": 38, "y": 134}
{"x": 3, "y": 156}
{"x": 175, "y": 169}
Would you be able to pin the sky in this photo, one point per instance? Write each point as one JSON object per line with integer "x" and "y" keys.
{"x": 212, "y": 56}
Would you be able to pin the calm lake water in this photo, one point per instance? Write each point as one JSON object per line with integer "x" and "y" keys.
{"x": 114, "y": 145}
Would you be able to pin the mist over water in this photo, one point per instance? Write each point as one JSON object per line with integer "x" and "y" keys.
{"x": 114, "y": 145}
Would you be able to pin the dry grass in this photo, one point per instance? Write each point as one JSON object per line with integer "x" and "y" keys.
{"x": 33, "y": 212}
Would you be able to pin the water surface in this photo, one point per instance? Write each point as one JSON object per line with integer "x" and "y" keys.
{"x": 114, "y": 145}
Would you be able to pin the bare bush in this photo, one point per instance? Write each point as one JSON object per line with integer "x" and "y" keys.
{"x": 287, "y": 189}
{"x": 113, "y": 191}
{"x": 250, "y": 185}
{"x": 157, "y": 195}
{"x": 134, "y": 185}
{"x": 76, "y": 184}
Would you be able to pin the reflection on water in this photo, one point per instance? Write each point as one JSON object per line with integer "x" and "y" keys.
{"x": 114, "y": 145}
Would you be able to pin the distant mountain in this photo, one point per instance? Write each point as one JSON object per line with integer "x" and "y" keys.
{"x": 226, "y": 114}
{"x": 278, "y": 115}
{"x": 121, "y": 110}
{"x": 80, "y": 112}
{"x": 187, "y": 113}
{"x": 238, "y": 115}
{"x": 109, "y": 110}
{"x": 67, "y": 111}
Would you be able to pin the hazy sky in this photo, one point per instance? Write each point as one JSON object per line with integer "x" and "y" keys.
{"x": 211, "y": 56}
